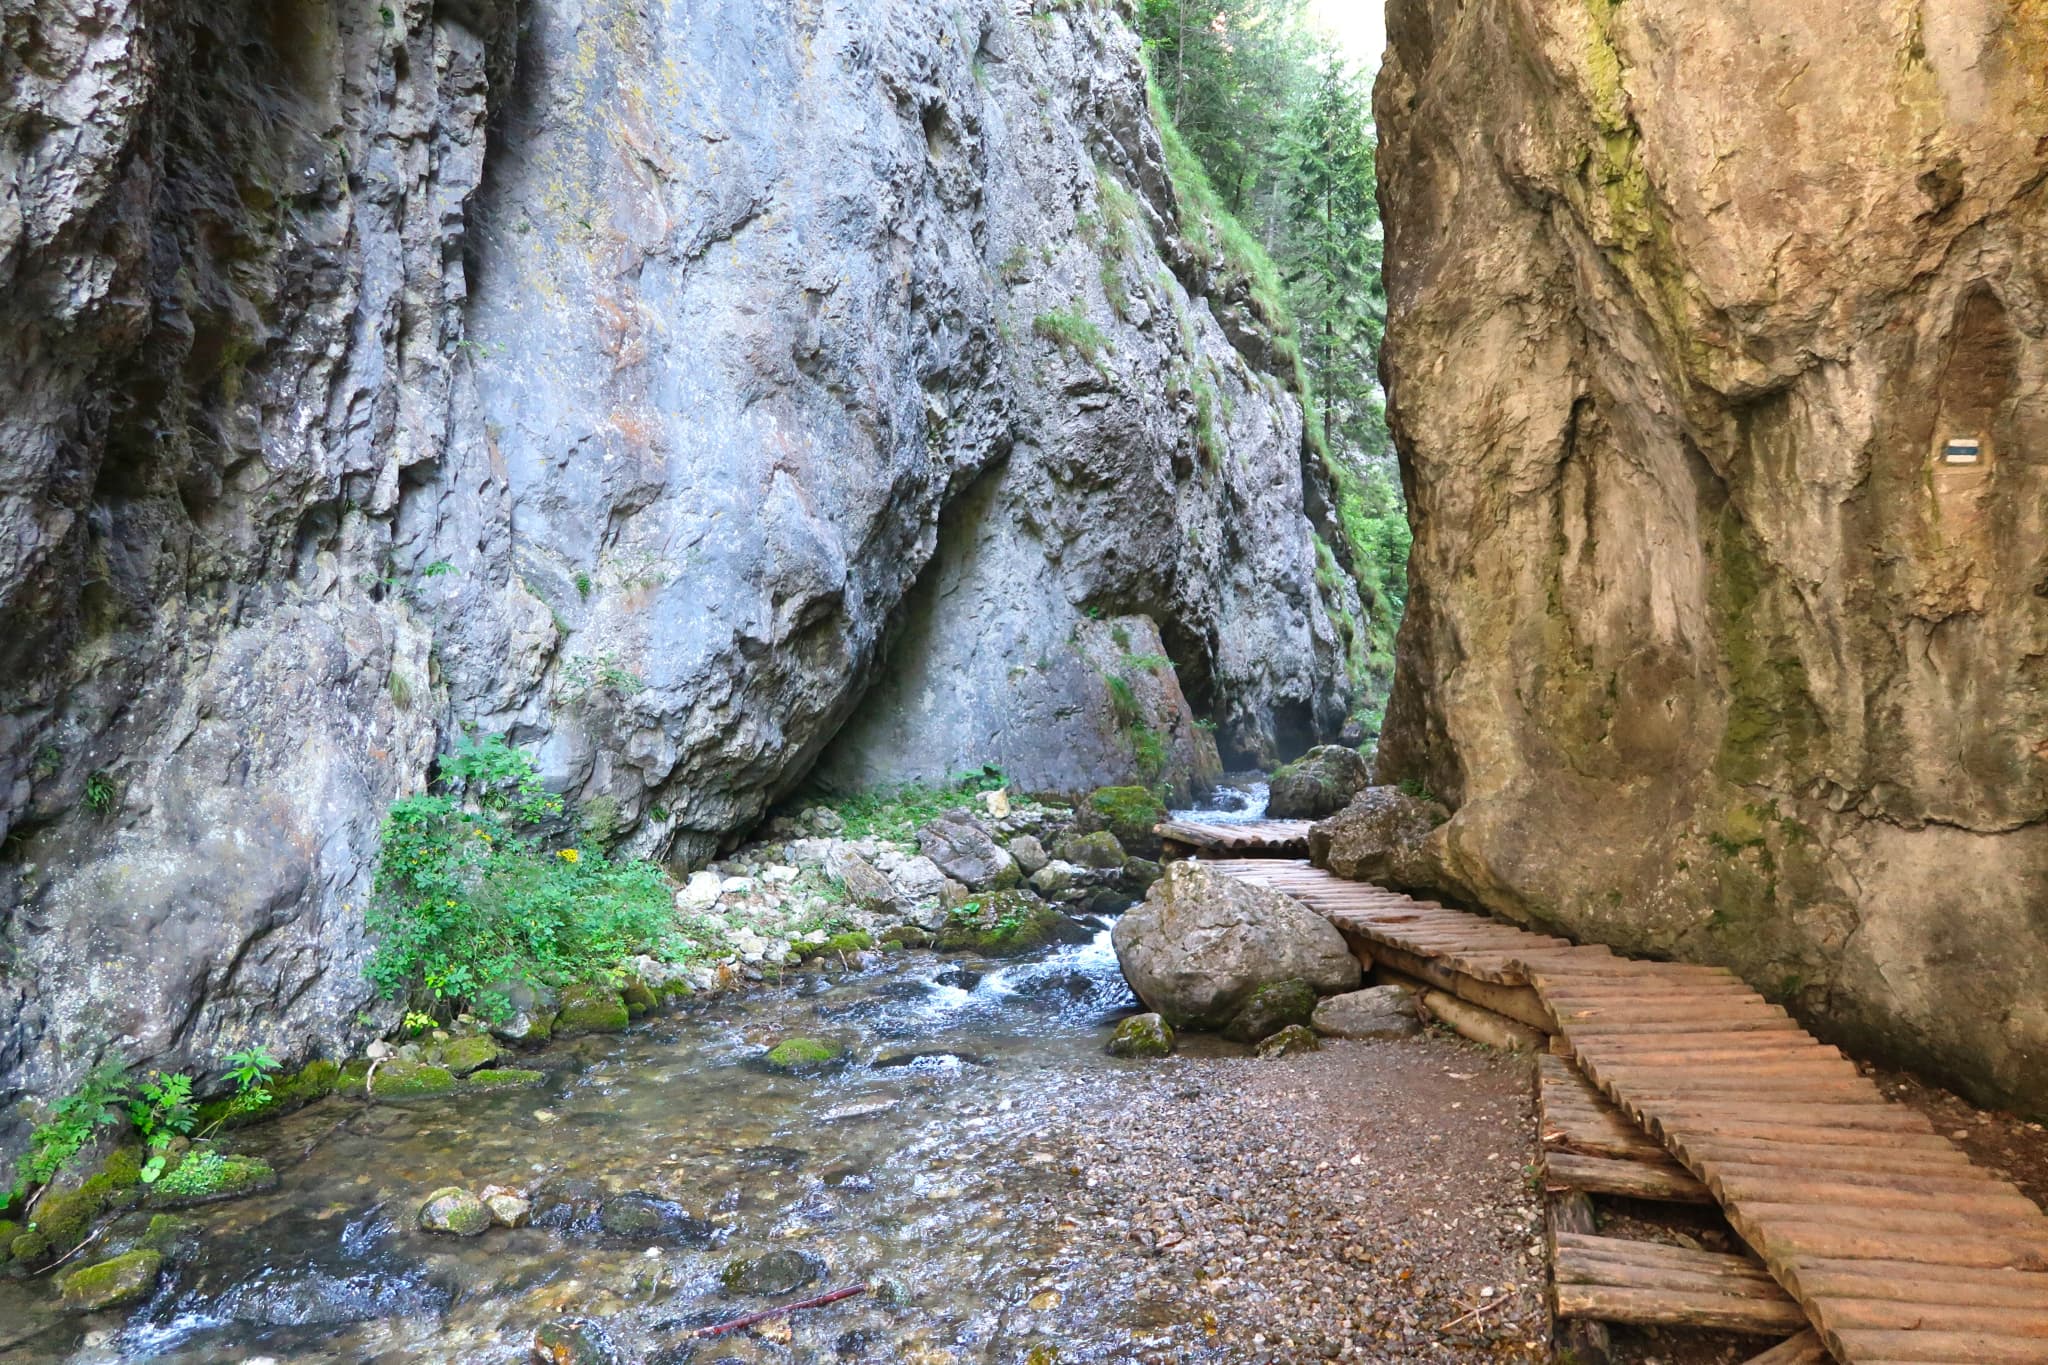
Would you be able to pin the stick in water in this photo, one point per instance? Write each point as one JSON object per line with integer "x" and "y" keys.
{"x": 750, "y": 1319}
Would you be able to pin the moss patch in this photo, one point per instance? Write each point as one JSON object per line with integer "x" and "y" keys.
{"x": 465, "y": 1055}
{"x": 1127, "y": 812}
{"x": 1006, "y": 924}
{"x": 804, "y": 1056}
{"x": 206, "y": 1175}
{"x": 113, "y": 1283}
{"x": 503, "y": 1078}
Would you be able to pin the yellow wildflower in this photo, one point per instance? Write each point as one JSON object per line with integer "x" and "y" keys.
{"x": 569, "y": 855}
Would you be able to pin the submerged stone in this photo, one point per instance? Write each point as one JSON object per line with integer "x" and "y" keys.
{"x": 1142, "y": 1035}
{"x": 781, "y": 1271}
{"x": 114, "y": 1283}
{"x": 571, "y": 1341}
{"x": 503, "y": 1078}
{"x": 508, "y": 1208}
{"x": 641, "y": 1217}
{"x": 456, "y": 1212}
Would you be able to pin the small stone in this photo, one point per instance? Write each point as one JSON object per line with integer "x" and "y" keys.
{"x": 113, "y": 1283}
{"x": 1295, "y": 1038}
{"x": 508, "y": 1208}
{"x": 378, "y": 1050}
{"x": 1054, "y": 879}
{"x": 503, "y": 1078}
{"x": 778, "y": 874}
{"x": 997, "y": 803}
{"x": 1142, "y": 1035}
{"x": 736, "y": 886}
{"x": 454, "y": 1211}
{"x": 824, "y": 821}
{"x": 465, "y": 1055}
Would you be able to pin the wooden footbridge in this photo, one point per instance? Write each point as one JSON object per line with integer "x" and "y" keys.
{"x": 1237, "y": 838}
{"x": 1876, "y": 1241}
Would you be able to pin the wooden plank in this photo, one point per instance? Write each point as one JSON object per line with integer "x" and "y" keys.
{"x": 1666, "y": 1182}
{"x": 1481, "y": 1025}
{"x": 1673, "y": 1308}
{"x": 1583, "y": 1340}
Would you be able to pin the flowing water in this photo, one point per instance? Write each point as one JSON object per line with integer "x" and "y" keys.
{"x": 936, "y": 1166}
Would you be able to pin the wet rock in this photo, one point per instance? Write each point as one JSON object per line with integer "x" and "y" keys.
{"x": 1142, "y": 1035}
{"x": 464, "y": 1055}
{"x": 1202, "y": 943}
{"x": 1291, "y": 1041}
{"x": 781, "y": 1271}
{"x": 804, "y": 1056}
{"x": 1272, "y": 1008}
{"x": 1029, "y": 853}
{"x": 907, "y": 936}
{"x": 454, "y": 1211}
{"x": 1383, "y": 836}
{"x": 1007, "y": 924}
{"x": 1129, "y": 813}
{"x": 571, "y": 1341}
{"x": 400, "y": 1079}
{"x": 1099, "y": 849}
{"x": 959, "y": 845}
{"x": 1320, "y": 782}
{"x": 590, "y": 1008}
{"x": 508, "y": 1208}
{"x": 1376, "y": 1012}
{"x": 959, "y": 978}
{"x": 892, "y": 1060}
{"x": 641, "y": 1217}
{"x": 1054, "y": 879}
{"x": 114, "y": 1283}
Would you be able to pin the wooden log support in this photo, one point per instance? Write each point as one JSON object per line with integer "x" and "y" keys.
{"x": 1582, "y": 1341}
{"x": 1647, "y": 1284}
{"x": 1480, "y": 1024}
{"x": 1804, "y": 1349}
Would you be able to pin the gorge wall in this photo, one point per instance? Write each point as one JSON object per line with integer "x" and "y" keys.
{"x": 1719, "y": 368}
{"x": 645, "y": 381}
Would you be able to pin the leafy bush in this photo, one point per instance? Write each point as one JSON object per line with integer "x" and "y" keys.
{"x": 72, "y": 1122}
{"x": 464, "y": 899}
{"x": 898, "y": 813}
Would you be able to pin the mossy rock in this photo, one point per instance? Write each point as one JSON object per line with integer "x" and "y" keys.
{"x": 113, "y": 1283}
{"x": 906, "y": 936}
{"x": 171, "y": 1235}
{"x": 1295, "y": 1038}
{"x": 1140, "y": 873}
{"x": 804, "y": 1056}
{"x": 1130, "y": 813}
{"x": 205, "y": 1176}
{"x": 1098, "y": 849}
{"x": 65, "y": 1219}
{"x": 503, "y": 1078}
{"x": 30, "y": 1248}
{"x": 399, "y": 1079}
{"x": 9, "y": 1230}
{"x": 1319, "y": 783}
{"x": 124, "y": 1167}
{"x": 1274, "y": 1007}
{"x": 316, "y": 1080}
{"x": 1142, "y": 1035}
{"x": 472, "y": 1053}
{"x": 1007, "y": 924}
{"x": 454, "y": 1211}
{"x": 591, "y": 1009}
{"x": 639, "y": 998}
{"x": 850, "y": 942}
{"x": 350, "y": 1081}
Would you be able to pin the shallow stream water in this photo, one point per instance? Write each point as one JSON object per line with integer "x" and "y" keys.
{"x": 929, "y": 1167}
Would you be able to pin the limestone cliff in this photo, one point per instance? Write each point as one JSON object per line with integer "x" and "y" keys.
{"x": 1719, "y": 369}
{"x": 604, "y": 373}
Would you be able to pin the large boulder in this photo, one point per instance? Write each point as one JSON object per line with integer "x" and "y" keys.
{"x": 1318, "y": 783}
{"x": 1203, "y": 943}
{"x": 959, "y": 846}
{"x": 1383, "y": 836}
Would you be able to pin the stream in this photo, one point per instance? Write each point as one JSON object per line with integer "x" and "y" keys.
{"x": 934, "y": 1167}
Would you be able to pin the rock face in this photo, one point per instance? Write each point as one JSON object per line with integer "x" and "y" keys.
{"x": 1318, "y": 783}
{"x": 1724, "y": 637}
{"x": 1383, "y": 837}
{"x": 1202, "y": 944}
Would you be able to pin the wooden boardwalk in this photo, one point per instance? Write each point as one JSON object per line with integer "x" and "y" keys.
{"x": 1270, "y": 838}
{"x": 1896, "y": 1247}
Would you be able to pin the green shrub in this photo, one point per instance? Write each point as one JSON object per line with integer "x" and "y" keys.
{"x": 72, "y": 1122}
{"x": 463, "y": 899}
{"x": 899, "y": 812}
